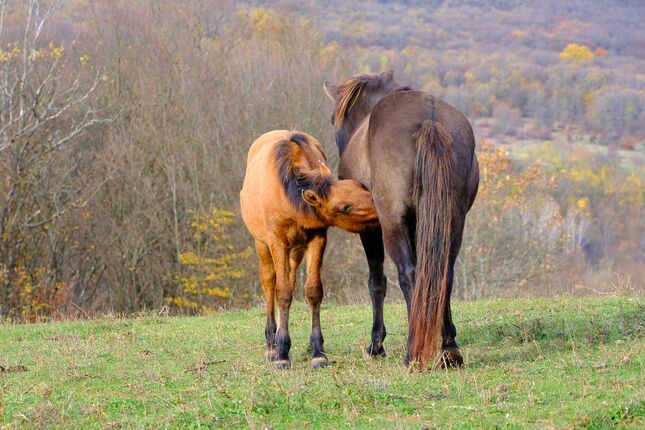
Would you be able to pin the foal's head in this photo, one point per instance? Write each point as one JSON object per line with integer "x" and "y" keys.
{"x": 346, "y": 204}
{"x": 314, "y": 191}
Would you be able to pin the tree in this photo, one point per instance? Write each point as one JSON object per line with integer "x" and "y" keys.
{"x": 575, "y": 53}
{"x": 45, "y": 109}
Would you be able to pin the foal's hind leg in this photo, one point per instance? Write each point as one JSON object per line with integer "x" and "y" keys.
{"x": 373, "y": 245}
{"x": 314, "y": 294}
{"x": 267, "y": 276}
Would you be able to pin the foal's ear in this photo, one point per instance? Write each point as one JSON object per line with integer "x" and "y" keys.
{"x": 389, "y": 75}
{"x": 324, "y": 170}
{"x": 311, "y": 197}
{"x": 331, "y": 90}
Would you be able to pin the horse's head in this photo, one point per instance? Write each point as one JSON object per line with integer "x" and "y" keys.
{"x": 346, "y": 204}
{"x": 354, "y": 100}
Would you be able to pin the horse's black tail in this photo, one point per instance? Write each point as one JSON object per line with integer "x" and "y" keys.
{"x": 433, "y": 184}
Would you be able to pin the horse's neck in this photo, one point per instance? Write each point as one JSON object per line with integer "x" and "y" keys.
{"x": 354, "y": 160}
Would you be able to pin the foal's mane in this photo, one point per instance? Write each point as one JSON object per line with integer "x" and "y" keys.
{"x": 350, "y": 90}
{"x": 295, "y": 181}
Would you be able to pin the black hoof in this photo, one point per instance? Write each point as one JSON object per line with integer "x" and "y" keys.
{"x": 406, "y": 361}
{"x": 375, "y": 352}
{"x": 451, "y": 358}
{"x": 271, "y": 355}
{"x": 282, "y": 364}
{"x": 319, "y": 362}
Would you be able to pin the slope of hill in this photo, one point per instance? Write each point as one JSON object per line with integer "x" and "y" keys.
{"x": 558, "y": 63}
{"x": 530, "y": 363}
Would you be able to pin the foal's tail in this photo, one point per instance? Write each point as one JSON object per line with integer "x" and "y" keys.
{"x": 434, "y": 209}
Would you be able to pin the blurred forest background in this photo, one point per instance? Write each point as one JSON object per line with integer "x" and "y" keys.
{"x": 124, "y": 127}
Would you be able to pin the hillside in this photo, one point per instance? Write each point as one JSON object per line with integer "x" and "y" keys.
{"x": 577, "y": 64}
{"x": 530, "y": 363}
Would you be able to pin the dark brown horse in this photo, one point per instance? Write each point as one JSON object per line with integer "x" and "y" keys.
{"x": 415, "y": 153}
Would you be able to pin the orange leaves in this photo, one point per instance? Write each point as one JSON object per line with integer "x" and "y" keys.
{"x": 33, "y": 296}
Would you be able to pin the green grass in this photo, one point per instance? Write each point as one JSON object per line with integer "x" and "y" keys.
{"x": 556, "y": 363}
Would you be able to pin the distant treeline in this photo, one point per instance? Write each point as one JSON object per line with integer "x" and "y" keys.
{"x": 556, "y": 63}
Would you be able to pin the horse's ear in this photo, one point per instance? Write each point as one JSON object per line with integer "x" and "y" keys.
{"x": 331, "y": 90}
{"x": 311, "y": 197}
{"x": 324, "y": 170}
{"x": 389, "y": 75}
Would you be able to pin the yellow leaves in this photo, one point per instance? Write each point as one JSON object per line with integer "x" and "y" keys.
{"x": 384, "y": 62}
{"x": 212, "y": 264}
{"x": 10, "y": 54}
{"x": 84, "y": 59}
{"x": 583, "y": 203}
{"x": 330, "y": 52}
{"x": 261, "y": 19}
{"x": 587, "y": 99}
{"x": 56, "y": 52}
{"x": 578, "y": 54}
{"x": 53, "y": 52}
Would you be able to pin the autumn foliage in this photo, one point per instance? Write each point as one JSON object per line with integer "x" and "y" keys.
{"x": 124, "y": 128}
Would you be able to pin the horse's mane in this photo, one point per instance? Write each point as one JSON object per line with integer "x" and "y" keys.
{"x": 294, "y": 182}
{"x": 350, "y": 90}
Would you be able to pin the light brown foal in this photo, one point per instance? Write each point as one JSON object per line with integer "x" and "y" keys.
{"x": 288, "y": 200}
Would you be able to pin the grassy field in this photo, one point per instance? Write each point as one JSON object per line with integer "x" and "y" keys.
{"x": 557, "y": 363}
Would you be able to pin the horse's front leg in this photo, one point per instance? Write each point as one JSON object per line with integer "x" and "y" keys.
{"x": 314, "y": 294}
{"x": 373, "y": 245}
{"x": 283, "y": 297}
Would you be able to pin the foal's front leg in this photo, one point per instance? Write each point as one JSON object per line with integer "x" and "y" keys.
{"x": 283, "y": 296}
{"x": 314, "y": 294}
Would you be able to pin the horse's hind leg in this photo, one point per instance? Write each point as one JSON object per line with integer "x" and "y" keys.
{"x": 314, "y": 294}
{"x": 283, "y": 298}
{"x": 267, "y": 276}
{"x": 399, "y": 243}
{"x": 451, "y": 354}
{"x": 373, "y": 245}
